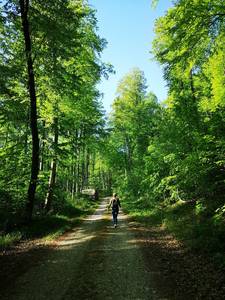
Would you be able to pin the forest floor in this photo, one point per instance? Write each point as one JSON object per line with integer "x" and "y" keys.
{"x": 97, "y": 261}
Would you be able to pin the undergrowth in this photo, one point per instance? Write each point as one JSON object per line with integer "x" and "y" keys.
{"x": 8, "y": 239}
{"x": 196, "y": 228}
{"x": 48, "y": 227}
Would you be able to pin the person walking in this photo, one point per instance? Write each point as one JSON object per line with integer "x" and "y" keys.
{"x": 115, "y": 205}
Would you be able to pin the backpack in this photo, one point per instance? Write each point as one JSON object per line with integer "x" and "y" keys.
{"x": 115, "y": 205}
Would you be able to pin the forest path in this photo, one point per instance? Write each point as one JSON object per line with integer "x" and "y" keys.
{"x": 94, "y": 261}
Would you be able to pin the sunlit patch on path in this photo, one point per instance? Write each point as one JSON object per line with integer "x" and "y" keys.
{"x": 98, "y": 215}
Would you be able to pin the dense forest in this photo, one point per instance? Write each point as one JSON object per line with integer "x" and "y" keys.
{"x": 55, "y": 140}
{"x": 52, "y": 121}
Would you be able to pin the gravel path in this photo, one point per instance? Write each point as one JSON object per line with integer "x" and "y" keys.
{"x": 94, "y": 261}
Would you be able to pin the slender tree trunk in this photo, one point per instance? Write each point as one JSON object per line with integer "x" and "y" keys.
{"x": 83, "y": 179}
{"x": 52, "y": 178}
{"x": 87, "y": 166}
{"x": 24, "y": 7}
{"x": 83, "y": 173}
{"x": 67, "y": 185}
{"x": 78, "y": 171}
{"x": 99, "y": 174}
{"x": 42, "y": 150}
{"x": 93, "y": 164}
{"x": 73, "y": 180}
{"x": 103, "y": 180}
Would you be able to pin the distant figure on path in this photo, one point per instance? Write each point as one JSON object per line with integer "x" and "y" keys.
{"x": 114, "y": 204}
{"x": 96, "y": 195}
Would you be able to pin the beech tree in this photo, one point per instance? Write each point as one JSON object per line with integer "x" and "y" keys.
{"x": 133, "y": 122}
{"x": 24, "y": 11}
{"x": 49, "y": 71}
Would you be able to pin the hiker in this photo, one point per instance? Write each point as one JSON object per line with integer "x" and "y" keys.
{"x": 95, "y": 195}
{"x": 114, "y": 204}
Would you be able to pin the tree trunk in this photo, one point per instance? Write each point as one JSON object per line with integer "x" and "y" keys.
{"x": 83, "y": 179}
{"x": 42, "y": 150}
{"x": 83, "y": 173}
{"x": 51, "y": 183}
{"x": 24, "y": 7}
{"x": 87, "y": 166}
{"x": 73, "y": 181}
{"x": 103, "y": 180}
{"x": 78, "y": 171}
{"x": 93, "y": 165}
{"x": 67, "y": 185}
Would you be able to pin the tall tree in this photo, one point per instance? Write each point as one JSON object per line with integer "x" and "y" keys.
{"x": 133, "y": 124}
{"x": 65, "y": 59}
{"x": 24, "y": 10}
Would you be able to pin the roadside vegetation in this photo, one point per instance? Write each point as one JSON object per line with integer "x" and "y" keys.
{"x": 48, "y": 227}
{"x": 51, "y": 116}
{"x": 198, "y": 232}
{"x": 168, "y": 158}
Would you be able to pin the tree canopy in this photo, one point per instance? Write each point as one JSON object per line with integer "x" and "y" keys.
{"x": 50, "y": 105}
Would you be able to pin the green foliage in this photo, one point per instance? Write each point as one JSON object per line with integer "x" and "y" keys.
{"x": 186, "y": 221}
{"x": 168, "y": 158}
{"x": 53, "y": 225}
{"x": 133, "y": 120}
{"x": 49, "y": 227}
{"x": 67, "y": 69}
{"x": 9, "y": 239}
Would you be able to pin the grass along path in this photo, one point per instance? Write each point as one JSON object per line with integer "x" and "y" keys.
{"x": 46, "y": 228}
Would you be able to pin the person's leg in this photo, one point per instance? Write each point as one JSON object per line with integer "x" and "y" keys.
{"x": 113, "y": 215}
{"x": 116, "y": 214}
{"x": 114, "y": 218}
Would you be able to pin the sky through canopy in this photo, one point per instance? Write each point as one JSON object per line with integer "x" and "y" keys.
{"x": 128, "y": 26}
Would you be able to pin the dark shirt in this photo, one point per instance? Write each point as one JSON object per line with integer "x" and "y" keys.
{"x": 115, "y": 204}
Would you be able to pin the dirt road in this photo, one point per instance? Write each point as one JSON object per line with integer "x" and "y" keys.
{"x": 95, "y": 261}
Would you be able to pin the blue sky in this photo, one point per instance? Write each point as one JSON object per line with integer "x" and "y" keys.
{"x": 128, "y": 26}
